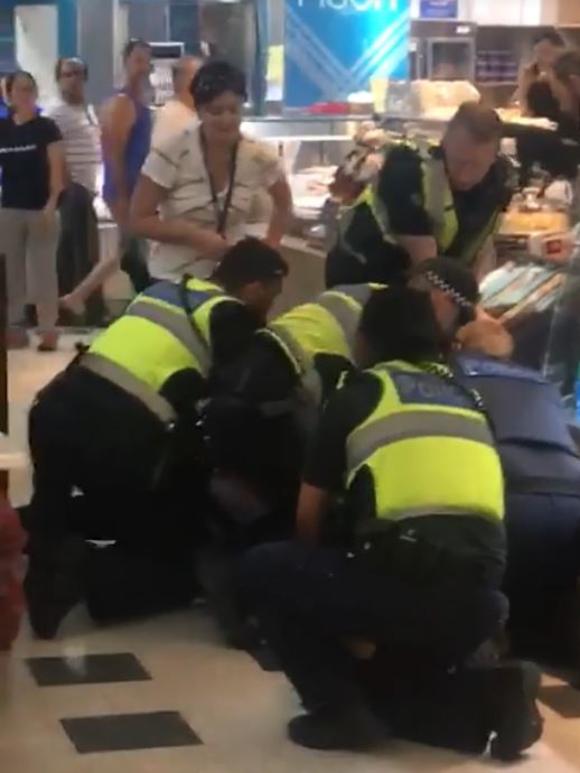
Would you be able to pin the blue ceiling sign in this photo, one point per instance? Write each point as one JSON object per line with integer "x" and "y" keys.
{"x": 334, "y": 47}
{"x": 439, "y": 9}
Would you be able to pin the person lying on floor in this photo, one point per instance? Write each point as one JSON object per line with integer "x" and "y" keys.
{"x": 541, "y": 465}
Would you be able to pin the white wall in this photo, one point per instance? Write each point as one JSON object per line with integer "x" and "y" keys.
{"x": 36, "y": 37}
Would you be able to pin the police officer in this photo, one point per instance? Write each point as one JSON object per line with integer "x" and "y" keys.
{"x": 270, "y": 398}
{"x": 444, "y": 200}
{"x": 423, "y": 556}
{"x": 541, "y": 465}
{"x": 267, "y": 407}
{"x": 264, "y": 407}
{"x": 119, "y": 423}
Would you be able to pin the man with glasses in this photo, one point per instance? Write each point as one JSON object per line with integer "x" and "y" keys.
{"x": 77, "y": 120}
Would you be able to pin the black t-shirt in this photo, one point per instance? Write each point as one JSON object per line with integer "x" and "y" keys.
{"x": 24, "y": 162}
{"x": 400, "y": 188}
{"x": 327, "y": 464}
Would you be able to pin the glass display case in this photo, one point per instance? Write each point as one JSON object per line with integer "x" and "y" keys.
{"x": 312, "y": 148}
{"x": 539, "y": 303}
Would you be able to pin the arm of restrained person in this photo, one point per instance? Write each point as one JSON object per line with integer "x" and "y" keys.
{"x": 281, "y": 196}
{"x": 145, "y": 221}
{"x": 119, "y": 117}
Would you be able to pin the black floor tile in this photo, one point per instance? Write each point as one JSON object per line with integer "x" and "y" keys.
{"x": 562, "y": 699}
{"x": 90, "y": 669}
{"x": 129, "y": 732}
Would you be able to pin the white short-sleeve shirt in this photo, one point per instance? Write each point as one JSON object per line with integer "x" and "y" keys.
{"x": 178, "y": 166}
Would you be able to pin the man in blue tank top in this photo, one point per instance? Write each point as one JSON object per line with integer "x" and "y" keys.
{"x": 126, "y": 135}
{"x": 541, "y": 465}
{"x": 127, "y": 127}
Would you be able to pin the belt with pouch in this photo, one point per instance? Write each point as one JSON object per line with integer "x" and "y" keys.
{"x": 399, "y": 550}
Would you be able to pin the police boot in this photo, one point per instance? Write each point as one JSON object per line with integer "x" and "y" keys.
{"x": 54, "y": 583}
{"x": 349, "y": 728}
{"x": 511, "y": 691}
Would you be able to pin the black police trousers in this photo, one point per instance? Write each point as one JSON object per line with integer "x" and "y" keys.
{"x": 543, "y": 570}
{"x": 310, "y": 601}
{"x": 140, "y": 486}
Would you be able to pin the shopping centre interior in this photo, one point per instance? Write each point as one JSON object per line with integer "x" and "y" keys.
{"x": 331, "y": 85}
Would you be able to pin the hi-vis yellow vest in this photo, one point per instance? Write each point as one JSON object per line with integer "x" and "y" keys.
{"x": 154, "y": 339}
{"x": 326, "y": 326}
{"x": 428, "y": 449}
{"x": 438, "y": 203}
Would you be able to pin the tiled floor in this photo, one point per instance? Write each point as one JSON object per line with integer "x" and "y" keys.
{"x": 217, "y": 708}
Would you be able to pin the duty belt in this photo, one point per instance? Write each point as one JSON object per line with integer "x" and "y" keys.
{"x": 129, "y": 383}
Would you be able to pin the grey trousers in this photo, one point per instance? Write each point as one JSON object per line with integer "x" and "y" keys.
{"x": 29, "y": 241}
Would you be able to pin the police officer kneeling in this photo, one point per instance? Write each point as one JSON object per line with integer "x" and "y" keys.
{"x": 267, "y": 403}
{"x": 267, "y": 406}
{"x": 119, "y": 424}
{"x": 541, "y": 466}
{"x": 424, "y": 550}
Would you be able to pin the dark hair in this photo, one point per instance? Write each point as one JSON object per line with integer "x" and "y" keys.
{"x": 455, "y": 280}
{"x": 482, "y": 123}
{"x": 399, "y": 323}
{"x": 132, "y": 45}
{"x": 551, "y": 36}
{"x": 216, "y": 78}
{"x": 250, "y": 261}
{"x": 11, "y": 79}
{"x": 567, "y": 65}
{"x": 69, "y": 60}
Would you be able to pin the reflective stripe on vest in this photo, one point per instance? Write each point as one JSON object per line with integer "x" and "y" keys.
{"x": 344, "y": 304}
{"x": 427, "y": 451}
{"x": 154, "y": 340}
{"x": 162, "y": 305}
{"x": 178, "y": 325}
{"x": 413, "y": 424}
{"x": 438, "y": 203}
{"x": 126, "y": 381}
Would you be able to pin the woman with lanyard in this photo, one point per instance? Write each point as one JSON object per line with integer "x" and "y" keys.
{"x": 197, "y": 189}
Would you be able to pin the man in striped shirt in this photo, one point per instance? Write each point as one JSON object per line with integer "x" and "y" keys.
{"x": 79, "y": 126}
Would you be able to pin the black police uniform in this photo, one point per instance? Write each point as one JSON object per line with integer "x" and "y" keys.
{"x": 143, "y": 487}
{"x": 400, "y": 189}
{"x": 307, "y": 598}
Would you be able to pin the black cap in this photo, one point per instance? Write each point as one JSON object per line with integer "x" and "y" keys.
{"x": 250, "y": 260}
{"x": 453, "y": 279}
